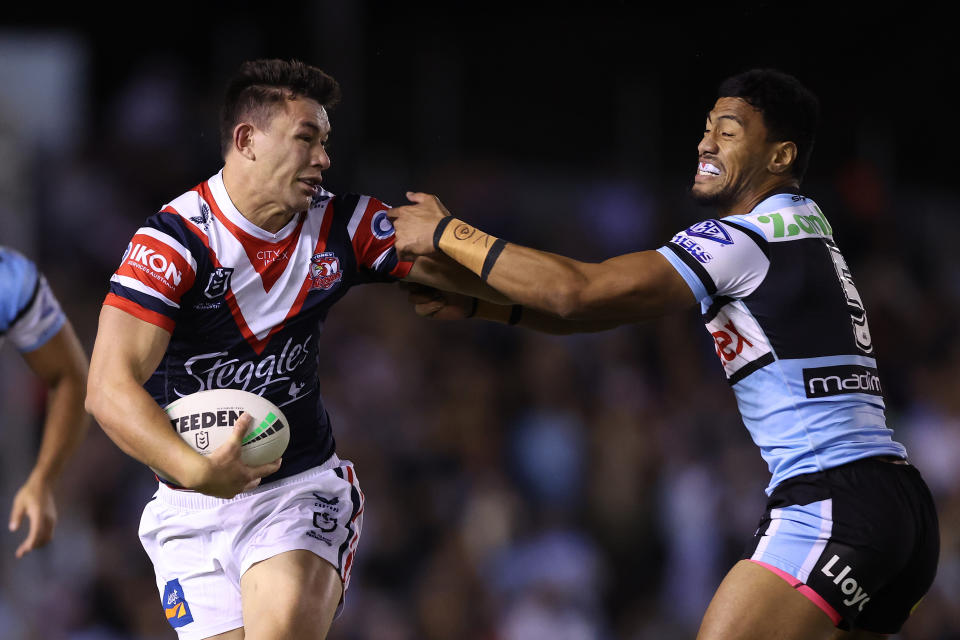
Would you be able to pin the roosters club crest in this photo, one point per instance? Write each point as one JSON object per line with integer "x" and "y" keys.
{"x": 325, "y": 270}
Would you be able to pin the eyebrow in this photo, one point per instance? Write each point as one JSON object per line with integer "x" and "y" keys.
{"x": 727, "y": 117}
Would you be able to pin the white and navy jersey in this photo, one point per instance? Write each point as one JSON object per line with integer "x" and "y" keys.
{"x": 29, "y": 313}
{"x": 791, "y": 333}
{"x": 245, "y": 307}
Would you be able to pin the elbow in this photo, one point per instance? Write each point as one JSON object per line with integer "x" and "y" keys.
{"x": 566, "y": 300}
{"x": 97, "y": 397}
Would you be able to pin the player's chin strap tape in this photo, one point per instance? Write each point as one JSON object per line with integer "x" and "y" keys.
{"x": 474, "y": 249}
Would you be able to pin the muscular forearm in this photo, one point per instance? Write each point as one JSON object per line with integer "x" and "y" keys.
{"x": 620, "y": 290}
{"x": 136, "y": 424}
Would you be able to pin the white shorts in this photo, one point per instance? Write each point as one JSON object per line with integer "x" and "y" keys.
{"x": 200, "y": 546}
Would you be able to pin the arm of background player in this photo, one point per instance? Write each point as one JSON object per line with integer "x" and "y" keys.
{"x": 623, "y": 289}
{"x": 62, "y": 365}
{"x": 445, "y": 305}
{"x": 126, "y": 353}
{"x": 440, "y": 272}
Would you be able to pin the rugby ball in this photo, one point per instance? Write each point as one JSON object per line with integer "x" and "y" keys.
{"x": 204, "y": 420}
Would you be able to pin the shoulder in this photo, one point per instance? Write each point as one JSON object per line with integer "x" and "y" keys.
{"x": 19, "y": 279}
{"x": 784, "y": 218}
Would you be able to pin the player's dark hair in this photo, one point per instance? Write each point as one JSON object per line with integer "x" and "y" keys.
{"x": 790, "y": 110}
{"x": 260, "y": 86}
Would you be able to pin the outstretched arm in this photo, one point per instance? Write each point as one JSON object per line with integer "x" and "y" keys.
{"x": 62, "y": 365}
{"x": 623, "y": 289}
{"x": 126, "y": 353}
{"x": 446, "y": 305}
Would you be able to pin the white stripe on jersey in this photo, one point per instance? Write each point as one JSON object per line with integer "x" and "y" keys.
{"x": 826, "y": 529}
{"x": 357, "y": 216}
{"x": 171, "y": 242}
{"x": 381, "y": 258}
{"x": 263, "y": 310}
{"x": 138, "y": 286}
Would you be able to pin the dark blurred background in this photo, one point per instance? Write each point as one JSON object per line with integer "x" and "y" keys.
{"x": 519, "y": 486}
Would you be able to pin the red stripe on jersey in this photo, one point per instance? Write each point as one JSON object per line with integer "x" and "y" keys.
{"x": 259, "y": 345}
{"x": 157, "y": 266}
{"x": 268, "y": 258}
{"x": 402, "y": 270}
{"x": 366, "y": 245}
{"x": 137, "y": 311}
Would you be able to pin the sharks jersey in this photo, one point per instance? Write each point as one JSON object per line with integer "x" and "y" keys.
{"x": 29, "y": 313}
{"x": 245, "y": 307}
{"x": 791, "y": 333}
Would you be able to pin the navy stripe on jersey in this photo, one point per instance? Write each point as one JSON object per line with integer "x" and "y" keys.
{"x": 696, "y": 267}
{"x": 30, "y": 301}
{"x": 756, "y": 237}
{"x": 718, "y": 303}
{"x": 747, "y": 369}
{"x": 802, "y": 310}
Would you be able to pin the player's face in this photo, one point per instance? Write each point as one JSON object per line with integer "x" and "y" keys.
{"x": 291, "y": 154}
{"x": 733, "y": 154}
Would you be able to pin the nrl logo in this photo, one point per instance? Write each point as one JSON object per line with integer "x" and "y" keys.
{"x": 219, "y": 282}
{"x": 203, "y": 440}
{"x": 325, "y": 270}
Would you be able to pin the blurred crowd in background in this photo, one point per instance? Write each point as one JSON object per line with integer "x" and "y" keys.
{"x": 519, "y": 486}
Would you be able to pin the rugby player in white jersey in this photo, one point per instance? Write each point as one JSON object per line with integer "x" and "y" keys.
{"x": 227, "y": 287}
{"x": 848, "y": 544}
{"x": 31, "y": 318}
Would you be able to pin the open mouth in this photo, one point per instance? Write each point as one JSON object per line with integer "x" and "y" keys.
{"x": 313, "y": 183}
{"x": 707, "y": 169}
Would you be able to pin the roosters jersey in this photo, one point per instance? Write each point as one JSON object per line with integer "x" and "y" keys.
{"x": 245, "y": 307}
{"x": 29, "y": 313}
{"x": 791, "y": 333}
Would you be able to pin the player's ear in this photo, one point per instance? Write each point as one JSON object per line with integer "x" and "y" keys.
{"x": 243, "y": 140}
{"x": 783, "y": 157}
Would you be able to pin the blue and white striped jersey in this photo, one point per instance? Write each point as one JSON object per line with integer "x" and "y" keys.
{"x": 29, "y": 313}
{"x": 791, "y": 333}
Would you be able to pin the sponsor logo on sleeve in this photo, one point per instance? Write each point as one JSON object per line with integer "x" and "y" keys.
{"x": 380, "y": 226}
{"x": 175, "y": 605}
{"x": 841, "y": 379}
{"x": 160, "y": 263}
{"x": 710, "y": 230}
{"x": 691, "y": 247}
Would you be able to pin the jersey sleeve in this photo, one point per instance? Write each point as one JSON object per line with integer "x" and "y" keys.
{"x": 29, "y": 312}
{"x": 719, "y": 258}
{"x": 156, "y": 270}
{"x": 373, "y": 239}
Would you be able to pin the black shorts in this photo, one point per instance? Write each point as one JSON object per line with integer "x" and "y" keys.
{"x": 861, "y": 541}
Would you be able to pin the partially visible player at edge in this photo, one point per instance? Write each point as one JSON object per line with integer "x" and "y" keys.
{"x": 228, "y": 287}
{"x": 32, "y": 319}
{"x": 848, "y": 544}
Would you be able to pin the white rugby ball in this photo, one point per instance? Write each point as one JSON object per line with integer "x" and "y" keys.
{"x": 204, "y": 420}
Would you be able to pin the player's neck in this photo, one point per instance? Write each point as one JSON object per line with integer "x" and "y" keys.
{"x": 748, "y": 201}
{"x": 251, "y": 202}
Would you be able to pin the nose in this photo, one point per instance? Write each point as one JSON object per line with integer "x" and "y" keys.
{"x": 321, "y": 158}
{"x": 708, "y": 144}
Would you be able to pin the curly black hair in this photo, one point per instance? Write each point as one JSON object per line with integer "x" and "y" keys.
{"x": 259, "y": 86}
{"x": 790, "y": 111}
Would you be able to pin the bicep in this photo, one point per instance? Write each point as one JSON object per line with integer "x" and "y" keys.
{"x": 126, "y": 345}
{"x": 634, "y": 286}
